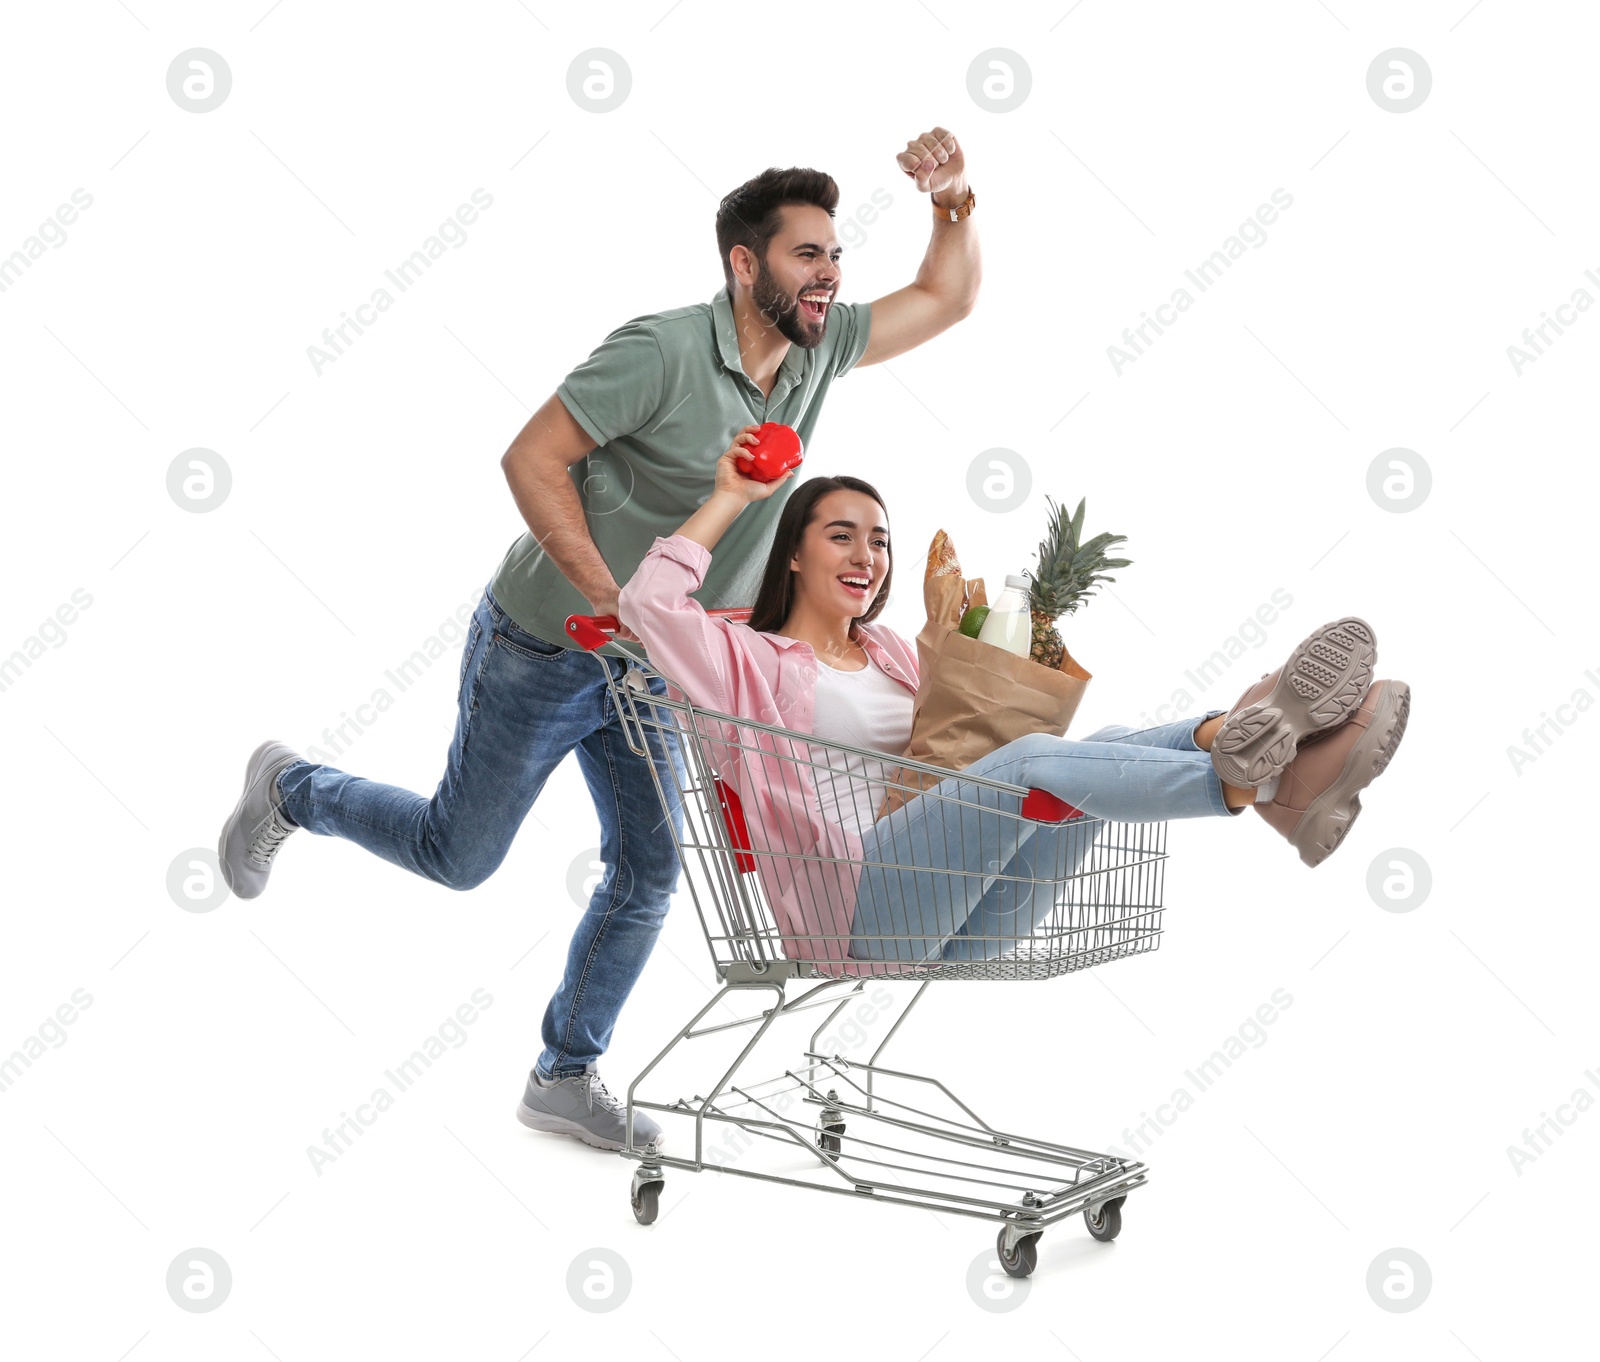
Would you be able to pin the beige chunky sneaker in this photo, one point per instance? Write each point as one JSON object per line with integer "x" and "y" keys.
{"x": 1317, "y": 689}
{"x": 1318, "y": 794}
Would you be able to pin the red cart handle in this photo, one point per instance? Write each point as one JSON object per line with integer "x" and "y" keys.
{"x": 591, "y": 631}
{"x": 594, "y": 631}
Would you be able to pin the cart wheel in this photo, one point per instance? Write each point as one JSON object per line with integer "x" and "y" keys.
{"x": 1023, "y": 1259}
{"x": 1109, "y": 1224}
{"x": 828, "y": 1139}
{"x": 646, "y": 1202}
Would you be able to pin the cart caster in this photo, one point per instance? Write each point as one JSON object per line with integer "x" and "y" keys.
{"x": 1021, "y": 1261}
{"x": 646, "y": 1199}
{"x": 828, "y": 1139}
{"x": 1107, "y": 1224}
{"x": 644, "y": 1192}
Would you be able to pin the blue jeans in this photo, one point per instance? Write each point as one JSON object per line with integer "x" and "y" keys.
{"x": 523, "y": 705}
{"x": 1118, "y": 774}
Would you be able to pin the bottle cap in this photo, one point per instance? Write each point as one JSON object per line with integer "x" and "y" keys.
{"x": 1020, "y": 583}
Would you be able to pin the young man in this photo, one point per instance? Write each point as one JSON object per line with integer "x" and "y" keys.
{"x": 622, "y": 452}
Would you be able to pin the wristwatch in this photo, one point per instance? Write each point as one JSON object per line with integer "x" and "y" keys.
{"x": 961, "y": 210}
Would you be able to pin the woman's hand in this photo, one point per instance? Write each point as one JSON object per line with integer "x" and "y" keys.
{"x": 731, "y": 493}
{"x": 732, "y": 478}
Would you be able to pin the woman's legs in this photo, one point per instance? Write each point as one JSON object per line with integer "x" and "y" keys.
{"x": 1324, "y": 686}
{"x": 928, "y": 865}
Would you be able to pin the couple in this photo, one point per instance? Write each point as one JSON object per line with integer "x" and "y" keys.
{"x": 614, "y": 459}
{"x": 1299, "y": 746}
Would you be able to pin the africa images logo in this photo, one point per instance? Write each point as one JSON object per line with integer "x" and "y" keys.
{"x": 451, "y": 1033}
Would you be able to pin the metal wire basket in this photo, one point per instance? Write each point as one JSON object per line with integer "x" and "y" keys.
{"x": 1060, "y": 890}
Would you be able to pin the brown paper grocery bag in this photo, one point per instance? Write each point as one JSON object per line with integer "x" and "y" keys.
{"x": 973, "y": 698}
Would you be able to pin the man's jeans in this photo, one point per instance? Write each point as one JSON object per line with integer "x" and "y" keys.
{"x": 523, "y": 705}
{"x": 1117, "y": 774}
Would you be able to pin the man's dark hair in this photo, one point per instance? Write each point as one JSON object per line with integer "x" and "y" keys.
{"x": 749, "y": 216}
{"x": 775, "y": 599}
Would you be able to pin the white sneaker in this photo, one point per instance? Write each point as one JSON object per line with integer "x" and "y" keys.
{"x": 257, "y": 826}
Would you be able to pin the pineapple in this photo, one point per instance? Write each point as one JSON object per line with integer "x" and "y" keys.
{"x": 1067, "y": 574}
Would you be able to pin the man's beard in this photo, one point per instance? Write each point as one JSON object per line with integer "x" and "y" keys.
{"x": 783, "y": 311}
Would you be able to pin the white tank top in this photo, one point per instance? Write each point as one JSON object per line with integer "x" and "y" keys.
{"x": 865, "y": 709}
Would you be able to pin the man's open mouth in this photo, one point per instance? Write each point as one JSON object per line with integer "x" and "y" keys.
{"x": 814, "y": 304}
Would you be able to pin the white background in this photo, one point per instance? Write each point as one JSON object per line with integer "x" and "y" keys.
{"x": 367, "y": 504}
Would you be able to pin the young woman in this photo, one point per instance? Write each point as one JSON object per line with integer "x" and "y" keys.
{"x": 1298, "y": 747}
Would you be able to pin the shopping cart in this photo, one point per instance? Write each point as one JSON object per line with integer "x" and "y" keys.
{"x": 1072, "y": 892}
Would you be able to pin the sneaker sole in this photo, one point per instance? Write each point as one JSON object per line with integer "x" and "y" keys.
{"x": 1319, "y": 689}
{"x": 1324, "y": 826}
{"x": 559, "y": 1125}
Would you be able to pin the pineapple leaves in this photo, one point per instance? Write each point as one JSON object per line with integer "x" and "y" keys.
{"x": 1069, "y": 567}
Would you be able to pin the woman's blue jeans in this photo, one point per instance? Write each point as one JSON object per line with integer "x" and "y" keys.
{"x": 1117, "y": 774}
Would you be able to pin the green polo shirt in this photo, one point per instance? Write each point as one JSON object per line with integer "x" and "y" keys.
{"x": 662, "y": 398}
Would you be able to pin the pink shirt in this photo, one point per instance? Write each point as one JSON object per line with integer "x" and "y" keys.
{"x": 767, "y": 679}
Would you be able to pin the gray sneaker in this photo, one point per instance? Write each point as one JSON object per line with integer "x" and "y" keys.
{"x": 582, "y": 1106}
{"x": 257, "y": 826}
